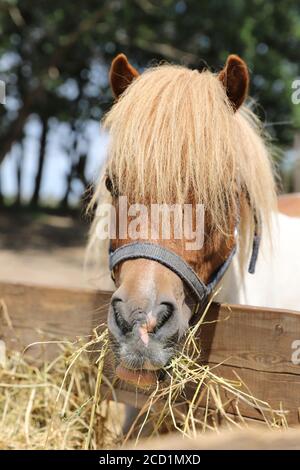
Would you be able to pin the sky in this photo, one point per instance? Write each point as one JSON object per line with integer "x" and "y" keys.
{"x": 59, "y": 140}
{"x": 57, "y": 161}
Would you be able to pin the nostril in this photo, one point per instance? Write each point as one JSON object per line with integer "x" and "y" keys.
{"x": 122, "y": 324}
{"x": 117, "y": 298}
{"x": 165, "y": 313}
{"x": 169, "y": 306}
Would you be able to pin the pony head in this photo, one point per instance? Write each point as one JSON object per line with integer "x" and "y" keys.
{"x": 178, "y": 138}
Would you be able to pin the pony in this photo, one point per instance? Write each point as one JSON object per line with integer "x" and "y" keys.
{"x": 180, "y": 136}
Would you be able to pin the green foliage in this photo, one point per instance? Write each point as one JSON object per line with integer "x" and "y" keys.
{"x": 53, "y": 42}
{"x": 54, "y": 56}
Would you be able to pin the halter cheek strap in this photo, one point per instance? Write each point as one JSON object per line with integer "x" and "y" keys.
{"x": 255, "y": 250}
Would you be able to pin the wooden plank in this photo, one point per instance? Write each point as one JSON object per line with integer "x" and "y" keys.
{"x": 42, "y": 313}
{"x": 242, "y": 439}
{"x": 255, "y": 343}
{"x": 251, "y": 337}
{"x": 281, "y": 391}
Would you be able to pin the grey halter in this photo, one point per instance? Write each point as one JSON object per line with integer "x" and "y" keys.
{"x": 178, "y": 265}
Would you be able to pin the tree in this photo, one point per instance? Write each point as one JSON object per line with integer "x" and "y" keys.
{"x": 50, "y": 48}
{"x": 41, "y": 162}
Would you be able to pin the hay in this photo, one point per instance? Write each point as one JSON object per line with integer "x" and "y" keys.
{"x": 61, "y": 404}
{"x": 57, "y": 406}
{"x": 196, "y": 398}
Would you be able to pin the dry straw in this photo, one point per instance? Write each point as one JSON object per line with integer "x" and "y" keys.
{"x": 197, "y": 398}
{"x": 57, "y": 405}
{"x": 61, "y": 405}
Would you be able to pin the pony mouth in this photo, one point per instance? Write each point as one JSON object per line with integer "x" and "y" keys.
{"x": 142, "y": 378}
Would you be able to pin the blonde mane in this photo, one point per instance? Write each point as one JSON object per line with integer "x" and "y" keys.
{"x": 173, "y": 134}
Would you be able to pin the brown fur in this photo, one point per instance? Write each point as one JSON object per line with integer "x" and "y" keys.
{"x": 235, "y": 78}
{"x": 121, "y": 74}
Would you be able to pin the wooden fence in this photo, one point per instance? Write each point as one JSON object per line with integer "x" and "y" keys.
{"x": 257, "y": 345}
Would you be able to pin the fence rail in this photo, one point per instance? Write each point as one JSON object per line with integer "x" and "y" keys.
{"x": 258, "y": 345}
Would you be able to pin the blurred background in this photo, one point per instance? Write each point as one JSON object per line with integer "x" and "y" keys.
{"x": 54, "y": 60}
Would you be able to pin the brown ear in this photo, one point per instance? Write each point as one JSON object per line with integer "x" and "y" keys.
{"x": 121, "y": 74}
{"x": 235, "y": 78}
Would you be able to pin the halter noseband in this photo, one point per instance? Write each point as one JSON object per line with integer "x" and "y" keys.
{"x": 178, "y": 265}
